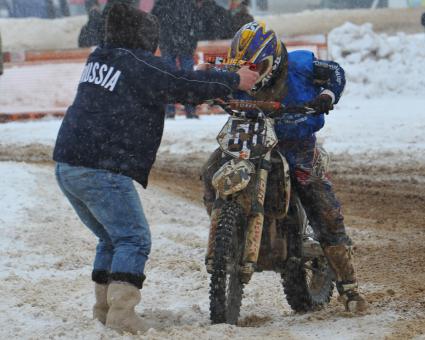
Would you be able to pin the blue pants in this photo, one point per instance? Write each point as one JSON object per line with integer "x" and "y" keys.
{"x": 186, "y": 63}
{"x": 312, "y": 183}
{"x": 108, "y": 204}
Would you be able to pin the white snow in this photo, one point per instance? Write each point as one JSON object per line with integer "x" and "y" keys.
{"x": 378, "y": 64}
{"x": 40, "y": 34}
{"x": 46, "y": 254}
{"x": 324, "y": 21}
{"x": 376, "y": 131}
{"x": 46, "y": 292}
{"x": 39, "y": 87}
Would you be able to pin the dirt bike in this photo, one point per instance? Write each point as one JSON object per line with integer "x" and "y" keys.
{"x": 260, "y": 223}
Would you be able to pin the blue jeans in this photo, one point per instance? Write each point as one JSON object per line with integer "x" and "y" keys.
{"x": 108, "y": 204}
{"x": 186, "y": 63}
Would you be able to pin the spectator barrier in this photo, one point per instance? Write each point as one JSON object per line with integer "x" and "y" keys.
{"x": 40, "y": 74}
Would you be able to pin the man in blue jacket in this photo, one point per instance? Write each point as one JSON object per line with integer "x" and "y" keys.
{"x": 298, "y": 78}
{"x": 110, "y": 136}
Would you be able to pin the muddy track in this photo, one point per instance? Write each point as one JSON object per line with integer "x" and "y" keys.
{"x": 384, "y": 209}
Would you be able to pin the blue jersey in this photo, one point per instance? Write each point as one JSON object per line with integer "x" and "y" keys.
{"x": 307, "y": 78}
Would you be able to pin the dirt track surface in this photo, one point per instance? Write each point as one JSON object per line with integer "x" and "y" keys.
{"x": 46, "y": 257}
{"x": 384, "y": 210}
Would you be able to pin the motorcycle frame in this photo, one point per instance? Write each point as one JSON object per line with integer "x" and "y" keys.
{"x": 252, "y": 199}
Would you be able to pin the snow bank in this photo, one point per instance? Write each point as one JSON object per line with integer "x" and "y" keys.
{"x": 377, "y": 64}
{"x": 387, "y": 20}
{"x": 39, "y": 87}
{"x": 40, "y": 34}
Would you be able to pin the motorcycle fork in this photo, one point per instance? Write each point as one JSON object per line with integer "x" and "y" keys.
{"x": 255, "y": 224}
{"x": 211, "y": 238}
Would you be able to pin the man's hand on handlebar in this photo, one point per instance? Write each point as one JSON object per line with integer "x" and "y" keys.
{"x": 248, "y": 78}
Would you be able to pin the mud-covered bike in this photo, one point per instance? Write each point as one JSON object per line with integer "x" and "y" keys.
{"x": 258, "y": 222}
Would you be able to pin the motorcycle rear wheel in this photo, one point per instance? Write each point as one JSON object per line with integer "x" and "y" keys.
{"x": 226, "y": 288}
{"x": 307, "y": 283}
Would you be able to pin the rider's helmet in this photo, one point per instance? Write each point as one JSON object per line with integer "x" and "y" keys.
{"x": 255, "y": 44}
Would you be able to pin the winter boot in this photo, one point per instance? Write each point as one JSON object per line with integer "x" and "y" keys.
{"x": 340, "y": 258}
{"x": 100, "y": 308}
{"x": 122, "y": 298}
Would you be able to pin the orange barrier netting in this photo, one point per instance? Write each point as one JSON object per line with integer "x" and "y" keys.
{"x": 13, "y": 117}
{"x": 207, "y": 50}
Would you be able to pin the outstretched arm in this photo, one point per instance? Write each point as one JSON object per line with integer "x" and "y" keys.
{"x": 167, "y": 85}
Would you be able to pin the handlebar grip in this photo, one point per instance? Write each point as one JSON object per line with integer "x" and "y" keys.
{"x": 252, "y": 105}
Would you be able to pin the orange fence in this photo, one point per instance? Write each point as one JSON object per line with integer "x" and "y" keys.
{"x": 206, "y": 50}
{"x": 46, "y": 56}
{"x": 25, "y": 71}
{"x": 6, "y": 117}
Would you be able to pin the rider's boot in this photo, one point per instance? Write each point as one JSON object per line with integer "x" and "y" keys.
{"x": 340, "y": 258}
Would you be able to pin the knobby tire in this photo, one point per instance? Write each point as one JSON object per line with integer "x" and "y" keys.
{"x": 226, "y": 288}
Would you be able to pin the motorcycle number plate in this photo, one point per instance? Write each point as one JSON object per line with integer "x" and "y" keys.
{"x": 245, "y": 135}
{"x": 240, "y": 137}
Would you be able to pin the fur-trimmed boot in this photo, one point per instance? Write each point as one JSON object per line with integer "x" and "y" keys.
{"x": 100, "y": 308}
{"x": 122, "y": 298}
{"x": 340, "y": 258}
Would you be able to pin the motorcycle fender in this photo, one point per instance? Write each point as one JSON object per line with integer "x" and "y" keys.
{"x": 233, "y": 176}
{"x": 286, "y": 183}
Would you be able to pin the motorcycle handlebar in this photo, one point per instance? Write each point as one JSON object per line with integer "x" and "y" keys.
{"x": 253, "y": 105}
{"x": 273, "y": 109}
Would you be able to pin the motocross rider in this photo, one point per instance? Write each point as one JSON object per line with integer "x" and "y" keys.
{"x": 297, "y": 78}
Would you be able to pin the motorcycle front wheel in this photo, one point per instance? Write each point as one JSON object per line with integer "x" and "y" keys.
{"x": 226, "y": 288}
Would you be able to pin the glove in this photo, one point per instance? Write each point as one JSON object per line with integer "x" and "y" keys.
{"x": 322, "y": 104}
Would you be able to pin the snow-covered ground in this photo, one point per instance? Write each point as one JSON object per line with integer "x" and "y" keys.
{"x": 45, "y": 252}
{"x": 46, "y": 292}
{"x": 374, "y": 131}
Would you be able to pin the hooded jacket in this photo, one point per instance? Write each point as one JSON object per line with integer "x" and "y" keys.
{"x": 116, "y": 120}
